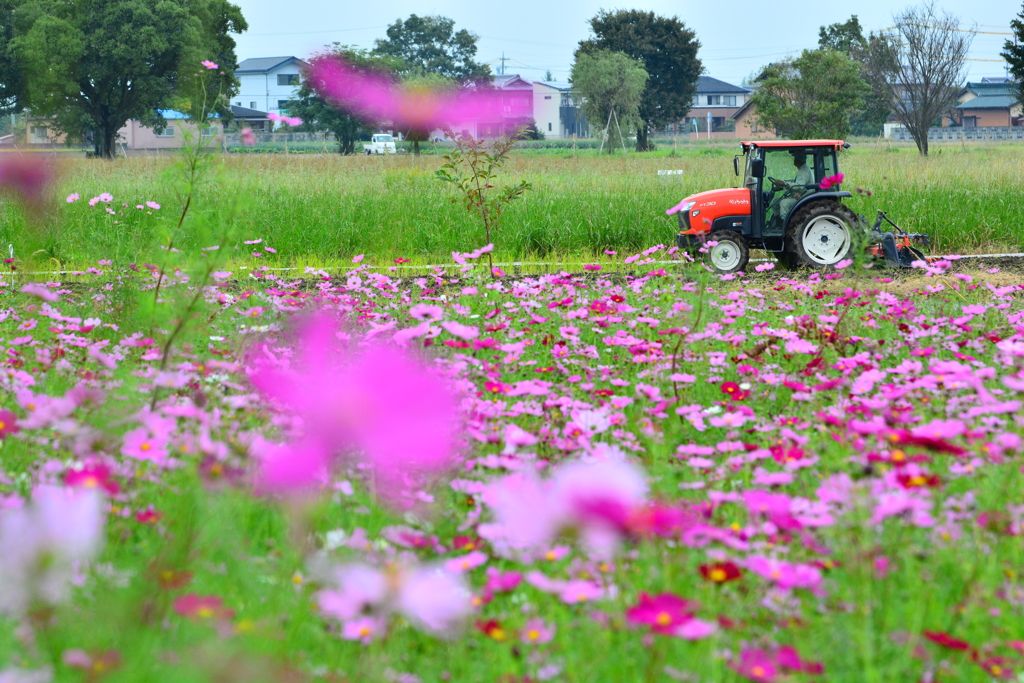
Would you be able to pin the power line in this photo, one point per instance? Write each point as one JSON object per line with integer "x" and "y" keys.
{"x": 306, "y": 33}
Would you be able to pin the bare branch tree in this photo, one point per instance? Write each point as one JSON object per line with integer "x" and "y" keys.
{"x": 919, "y": 66}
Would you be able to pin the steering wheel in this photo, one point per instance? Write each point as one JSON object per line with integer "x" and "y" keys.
{"x": 776, "y": 183}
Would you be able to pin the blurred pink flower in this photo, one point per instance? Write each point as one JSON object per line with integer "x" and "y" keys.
{"x": 431, "y": 598}
{"x": 141, "y": 445}
{"x": 537, "y": 632}
{"x": 153, "y": 205}
{"x": 42, "y": 543}
{"x": 208, "y": 64}
{"x": 41, "y": 291}
{"x": 465, "y": 563}
{"x": 379, "y": 404}
{"x": 26, "y": 176}
{"x": 202, "y": 607}
{"x": 8, "y": 423}
{"x": 248, "y": 137}
{"x": 290, "y": 120}
{"x": 831, "y": 181}
{"x": 363, "y": 629}
{"x": 73, "y": 197}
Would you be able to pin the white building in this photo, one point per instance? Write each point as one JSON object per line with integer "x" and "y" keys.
{"x": 267, "y": 84}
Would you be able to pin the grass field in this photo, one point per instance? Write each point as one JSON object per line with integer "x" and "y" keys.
{"x": 323, "y": 209}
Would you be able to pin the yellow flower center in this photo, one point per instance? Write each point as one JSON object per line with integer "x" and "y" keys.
{"x": 717, "y": 574}
{"x": 663, "y": 619}
{"x": 758, "y": 671}
{"x": 145, "y": 447}
{"x": 204, "y": 612}
{"x": 533, "y": 634}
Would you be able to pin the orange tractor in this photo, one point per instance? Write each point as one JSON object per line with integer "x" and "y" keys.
{"x": 790, "y": 205}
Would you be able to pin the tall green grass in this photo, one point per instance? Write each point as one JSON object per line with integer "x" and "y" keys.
{"x": 327, "y": 208}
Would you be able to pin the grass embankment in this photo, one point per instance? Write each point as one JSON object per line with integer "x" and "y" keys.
{"x": 323, "y": 209}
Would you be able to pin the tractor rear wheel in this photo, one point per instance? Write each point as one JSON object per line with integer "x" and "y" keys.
{"x": 730, "y": 255}
{"x": 821, "y": 234}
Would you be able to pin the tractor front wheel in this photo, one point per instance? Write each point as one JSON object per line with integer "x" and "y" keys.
{"x": 730, "y": 255}
{"x": 821, "y": 234}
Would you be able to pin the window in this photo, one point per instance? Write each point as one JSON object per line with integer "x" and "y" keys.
{"x": 209, "y": 131}
{"x": 37, "y": 134}
{"x": 729, "y": 100}
{"x": 696, "y": 100}
{"x": 714, "y": 100}
{"x": 284, "y": 104}
{"x": 167, "y": 132}
{"x": 547, "y": 97}
{"x": 549, "y": 126}
{"x": 238, "y": 104}
{"x": 252, "y": 105}
{"x": 287, "y": 79}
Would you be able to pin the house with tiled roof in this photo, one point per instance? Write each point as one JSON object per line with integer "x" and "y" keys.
{"x": 989, "y": 102}
{"x": 719, "y": 99}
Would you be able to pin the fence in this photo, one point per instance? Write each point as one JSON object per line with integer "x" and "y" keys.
{"x": 958, "y": 134}
{"x": 235, "y": 139}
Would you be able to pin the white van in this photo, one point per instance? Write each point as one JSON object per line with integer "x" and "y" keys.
{"x": 381, "y": 143}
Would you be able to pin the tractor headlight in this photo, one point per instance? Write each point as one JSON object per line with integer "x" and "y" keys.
{"x": 687, "y": 206}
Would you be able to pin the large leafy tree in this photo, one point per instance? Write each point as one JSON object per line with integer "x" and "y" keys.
{"x": 431, "y": 45}
{"x": 848, "y": 37}
{"x": 668, "y": 52}
{"x": 811, "y": 96}
{"x": 1013, "y": 53}
{"x": 610, "y": 82}
{"x": 10, "y": 75}
{"x": 319, "y": 114}
{"x": 91, "y": 65}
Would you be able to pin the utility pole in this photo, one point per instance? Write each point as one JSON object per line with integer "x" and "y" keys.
{"x": 503, "y": 60}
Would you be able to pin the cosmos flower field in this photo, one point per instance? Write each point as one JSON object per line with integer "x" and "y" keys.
{"x": 631, "y": 473}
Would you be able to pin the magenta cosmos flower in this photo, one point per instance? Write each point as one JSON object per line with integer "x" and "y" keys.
{"x": 378, "y": 405}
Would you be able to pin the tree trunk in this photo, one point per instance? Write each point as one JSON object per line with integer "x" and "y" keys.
{"x": 642, "y": 133}
{"x": 921, "y": 140}
{"x": 416, "y": 147}
{"x": 105, "y": 142}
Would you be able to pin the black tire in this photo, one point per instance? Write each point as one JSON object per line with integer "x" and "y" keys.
{"x": 730, "y": 255}
{"x": 821, "y": 234}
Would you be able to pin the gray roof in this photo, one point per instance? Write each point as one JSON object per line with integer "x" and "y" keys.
{"x": 558, "y": 85}
{"x": 989, "y": 102}
{"x": 246, "y": 113}
{"x": 707, "y": 84}
{"x": 261, "y": 65}
{"x": 508, "y": 80}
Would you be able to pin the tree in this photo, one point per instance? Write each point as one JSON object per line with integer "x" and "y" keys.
{"x": 845, "y": 37}
{"x": 430, "y": 45}
{"x": 319, "y": 114}
{"x": 610, "y": 81}
{"x": 848, "y": 37}
{"x": 919, "y": 66}
{"x": 94, "y": 64}
{"x": 668, "y": 52}
{"x": 811, "y": 96}
{"x": 11, "y": 83}
{"x": 1014, "y": 53}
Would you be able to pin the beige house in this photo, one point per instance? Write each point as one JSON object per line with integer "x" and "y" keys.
{"x": 132, "y": 136}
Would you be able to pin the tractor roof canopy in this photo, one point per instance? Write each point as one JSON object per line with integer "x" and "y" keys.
{"x": 795, "y": 144}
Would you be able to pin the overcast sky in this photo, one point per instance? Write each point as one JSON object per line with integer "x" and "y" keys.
{"x": 737, "y": 38}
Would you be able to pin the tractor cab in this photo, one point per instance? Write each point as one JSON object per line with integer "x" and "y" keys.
{"x": 789, "y": 204}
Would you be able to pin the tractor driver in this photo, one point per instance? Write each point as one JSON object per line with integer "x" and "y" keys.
{"x": 796, "y": 187}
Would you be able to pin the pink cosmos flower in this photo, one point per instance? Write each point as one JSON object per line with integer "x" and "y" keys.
{"x": 106, "y": 197}
{"x": 73, "y": 197}
{"x": 290, "y": 120}
{"x": 153, "y": 205}
{"x": 92, "y": 477}
{"x": 785, "y": 574}
{"x": 363, "y": 629}
{"x": 465, "y": 563}
{"x": 379, "y": 404}
{"x": 432, "y": 599}
{"x": 202, "y": 607}
{"x": 591, "y": 266}
{"x": 140, "y": 444}
{"x": 208, "y": 64}
{"x": 42, "y": 542}
{"x": 248, "y": 137}
{"x": 459, "y": 330}
{"x": 537, "y": 632}
{"x": 41, "y": 291}
{"x": 27, "y": 177}
{"x": 497, "y": 272}
{"x": 756, "y": 665}
{"x": 358, "y": 258}
{"x": 663, "y": 613}
{"x": 831, "y": 181}
{"x": 8, "y": 424}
